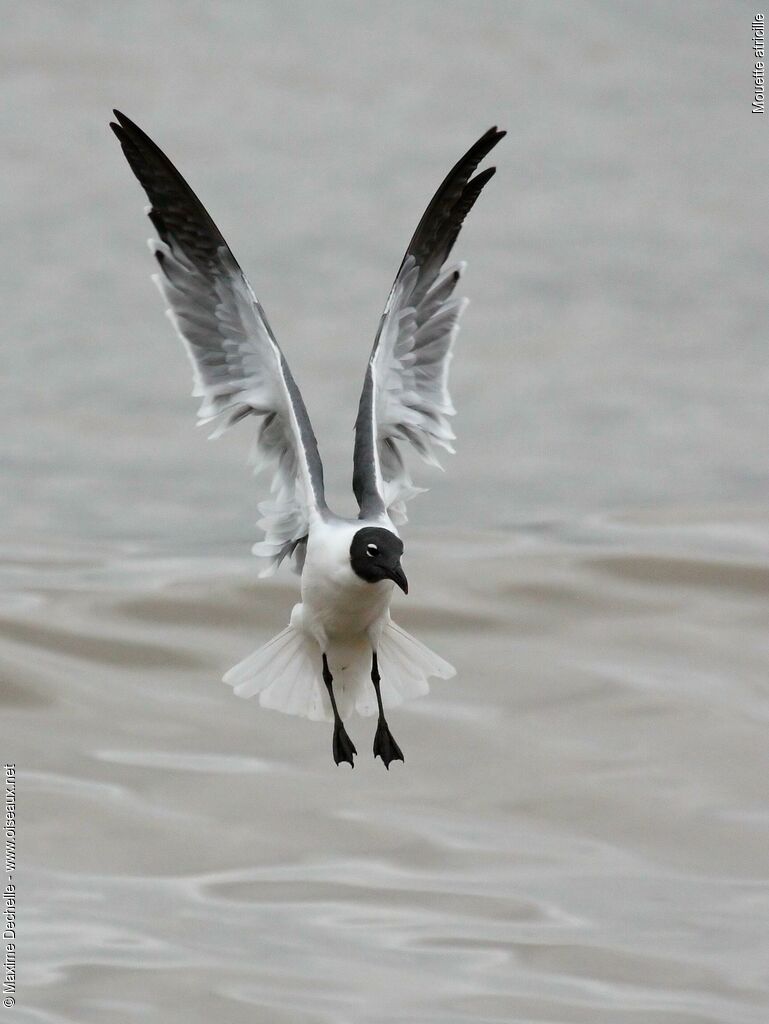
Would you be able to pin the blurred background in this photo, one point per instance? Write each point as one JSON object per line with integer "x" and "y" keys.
{"x": 614, "y": 355}
{"x": 579, "y": 833}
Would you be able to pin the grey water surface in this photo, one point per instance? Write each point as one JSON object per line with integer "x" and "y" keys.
{"x": 580, "y": 831}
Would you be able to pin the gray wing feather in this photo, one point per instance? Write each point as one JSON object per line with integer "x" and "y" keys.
{"x": 238, "y": 368}
{"x": 405, "y": 393}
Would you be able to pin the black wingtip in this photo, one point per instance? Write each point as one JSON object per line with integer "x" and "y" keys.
{"x": 483, "y": 176}
{"x": 474, "y": 188}
{"x": 121, "y": 125}
{"x": 176, "y": 211}
{"x": 441, "y": 221}
{"x": 492, "y": 136}
{"x": 490, "y": 139}
{"x": 127, "y": 129}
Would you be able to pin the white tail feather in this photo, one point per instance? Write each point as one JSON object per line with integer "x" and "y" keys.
{"x": 286, "y": 673}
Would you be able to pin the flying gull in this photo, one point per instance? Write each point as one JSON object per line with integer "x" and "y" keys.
{"x": 340, "y": 635}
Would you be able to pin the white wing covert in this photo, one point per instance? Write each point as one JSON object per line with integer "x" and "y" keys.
{"x": 405, "y": 393}
{"x": 238, "y": 367}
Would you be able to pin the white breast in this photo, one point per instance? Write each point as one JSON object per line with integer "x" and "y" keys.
{"x": 335, "y": 601}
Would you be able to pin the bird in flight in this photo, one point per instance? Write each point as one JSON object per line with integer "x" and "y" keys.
{"x": 340, "y": 635}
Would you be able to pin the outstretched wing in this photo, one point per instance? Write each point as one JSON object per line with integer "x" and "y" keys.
{"x": 405, "y": 392}
{"x": 237, "y": 366}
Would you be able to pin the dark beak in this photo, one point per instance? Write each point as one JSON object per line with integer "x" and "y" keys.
{"x": 397, "y": 574}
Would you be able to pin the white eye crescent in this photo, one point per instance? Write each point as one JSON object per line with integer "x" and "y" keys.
{"x": 371, "y": 550}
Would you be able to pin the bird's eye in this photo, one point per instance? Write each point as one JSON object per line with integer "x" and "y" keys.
{"x": 371, "y": 550}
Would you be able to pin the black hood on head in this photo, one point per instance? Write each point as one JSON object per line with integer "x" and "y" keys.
{"x": 375, "y": 554}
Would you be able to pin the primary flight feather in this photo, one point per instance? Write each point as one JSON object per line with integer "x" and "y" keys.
{"x": 340, "y": 635}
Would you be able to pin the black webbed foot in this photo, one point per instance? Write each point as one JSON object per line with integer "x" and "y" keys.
{"x": 385, "y": 746}
{"x": 343, "y": 746}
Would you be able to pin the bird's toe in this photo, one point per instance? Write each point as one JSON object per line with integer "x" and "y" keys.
{"x": 344, "y": 748}
{"x": 385, "y": 746}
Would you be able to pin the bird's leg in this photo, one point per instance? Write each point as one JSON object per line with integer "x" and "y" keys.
{"x": 343, "y": 746}
{"x": 384, "y": 744}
